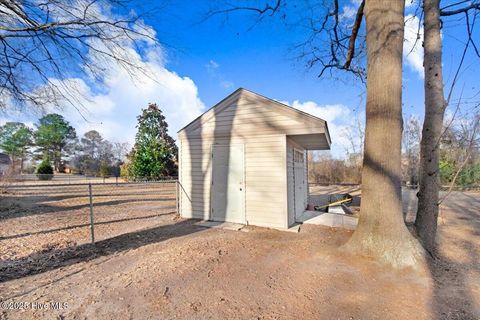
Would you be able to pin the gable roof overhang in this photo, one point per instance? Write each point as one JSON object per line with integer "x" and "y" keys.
{"x": 311, "y": 141}
{"x": 318, "y": 139}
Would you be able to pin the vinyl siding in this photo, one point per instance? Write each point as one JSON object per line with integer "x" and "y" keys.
{"x": 265, "y": 201}
{"x": 261, "y": 126}
{"x": 243, "y": 116}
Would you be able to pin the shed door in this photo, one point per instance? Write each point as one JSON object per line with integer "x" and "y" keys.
{"x": 228, "y": 184}
{"x": 299, "y": 182}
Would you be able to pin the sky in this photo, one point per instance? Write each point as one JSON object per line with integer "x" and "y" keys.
{"x": 201, "y": 61}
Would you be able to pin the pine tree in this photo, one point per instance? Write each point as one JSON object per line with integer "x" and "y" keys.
{"x": 154, "y": 154}
{"x": 52, "y": 136}
{"x": 15, "y": 139}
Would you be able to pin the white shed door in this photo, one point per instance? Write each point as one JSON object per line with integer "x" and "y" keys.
{"x": 228, "y": 183}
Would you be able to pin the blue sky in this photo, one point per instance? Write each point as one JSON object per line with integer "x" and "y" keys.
{"x": 201, "y": 62}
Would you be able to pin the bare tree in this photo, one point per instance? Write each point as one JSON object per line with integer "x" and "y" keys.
{"x": 120, "y": 150}
{"x": 435, "y": 106}
{"x": 46, "y": 46}
{"x": 411, "y": 146}
{"x": 326, "y": 170}
{"x": 461, "y": 145}
{"x": 355, "y": 135}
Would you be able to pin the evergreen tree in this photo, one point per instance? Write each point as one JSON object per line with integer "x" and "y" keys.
{"x": 45, "y": 170}
{"x": 15, "y": 139}
{"x": 154, "y": 154}
{"x": 52, "y": 136}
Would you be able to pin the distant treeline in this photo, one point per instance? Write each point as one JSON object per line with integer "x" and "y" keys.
{"x": 54, "y": 142}
{"x": 53, "y": 139}
{"x": 459, "y": 157}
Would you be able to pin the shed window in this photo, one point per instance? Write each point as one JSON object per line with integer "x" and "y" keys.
{"x": 298, "y": 156}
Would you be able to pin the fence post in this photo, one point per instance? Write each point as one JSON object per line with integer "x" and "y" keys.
{"x": 92, "y": 225}
{"x": 176, "y": 197}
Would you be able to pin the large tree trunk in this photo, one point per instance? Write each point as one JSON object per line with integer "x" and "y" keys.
{"x": 381, "y": 231}
{"x": 427, "y": 213}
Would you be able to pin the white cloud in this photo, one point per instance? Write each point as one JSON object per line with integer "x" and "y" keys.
{"x": 213, "y": 69}
{"x": 113, "y": 110}
{"x": 212, "y": 66}
{"x": 412, "y": 47}
{"x": 4, "y": 120}
{"x": 349, "y": 12}
{"x": 113, "y": 113}
{"x": 337, "y": 117}
{"x": 329, "y": 112}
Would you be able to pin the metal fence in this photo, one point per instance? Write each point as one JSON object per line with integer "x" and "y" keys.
{"x": 62, "y": 178}
{"x": 37, "y": 218}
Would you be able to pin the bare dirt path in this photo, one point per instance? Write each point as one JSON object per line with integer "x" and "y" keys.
{"x": 176, "y": 270}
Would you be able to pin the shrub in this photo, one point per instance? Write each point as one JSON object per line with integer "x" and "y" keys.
{"x": 45, "y": 170}
{"x": 447, "y": 171}
{"x": 104, "y": 169}
{"x": 126, "y": 171}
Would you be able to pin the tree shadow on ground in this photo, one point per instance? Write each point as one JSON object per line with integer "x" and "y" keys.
{"x": 36, "y": 205}
{"x": 84, "y": 225}
{"x": 453, "y": 269}
{"x": 51, "y": 259}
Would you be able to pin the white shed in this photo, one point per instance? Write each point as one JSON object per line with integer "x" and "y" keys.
{"x": 244, "y": 161}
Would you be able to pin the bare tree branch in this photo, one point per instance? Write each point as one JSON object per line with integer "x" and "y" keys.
{"x": 353, "y": 37}
{"x": 44, "y": 43}
{"x": 332, "y": 42}
{"x": 474, "y": 5}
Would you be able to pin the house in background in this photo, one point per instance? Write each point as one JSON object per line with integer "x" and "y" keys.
{"x": 5, "y": 163}
{"x": 245, "y": 161}
{"x": 65, "y": 167}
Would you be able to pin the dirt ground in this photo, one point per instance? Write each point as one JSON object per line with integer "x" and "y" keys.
{"x": 37, "y": 220}
{"x": 178, "y": 270}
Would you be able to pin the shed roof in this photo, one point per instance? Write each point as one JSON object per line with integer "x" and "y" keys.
{"x": 308, "y": 139}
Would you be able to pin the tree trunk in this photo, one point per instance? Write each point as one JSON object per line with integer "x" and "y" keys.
{"x": 12, "y": 158}
{"x": 57, "y": 159}
{"x": 381, "y": 232}
{"x": 22, "y": 161}
{"x": 427, "y": 213}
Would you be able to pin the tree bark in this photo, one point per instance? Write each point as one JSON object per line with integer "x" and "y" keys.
{"x": 381, "y": 232}
{"x": 22, "y": 160}
{"x": 427, "y": 212}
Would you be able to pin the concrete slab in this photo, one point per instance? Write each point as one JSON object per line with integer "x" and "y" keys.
{"x": 341, "y": 209}
{"x": 328, "y": 219}
{"x": 237, "y": 226}
{"x": 221, "y": 225}
{"x": 336, "y": 210}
